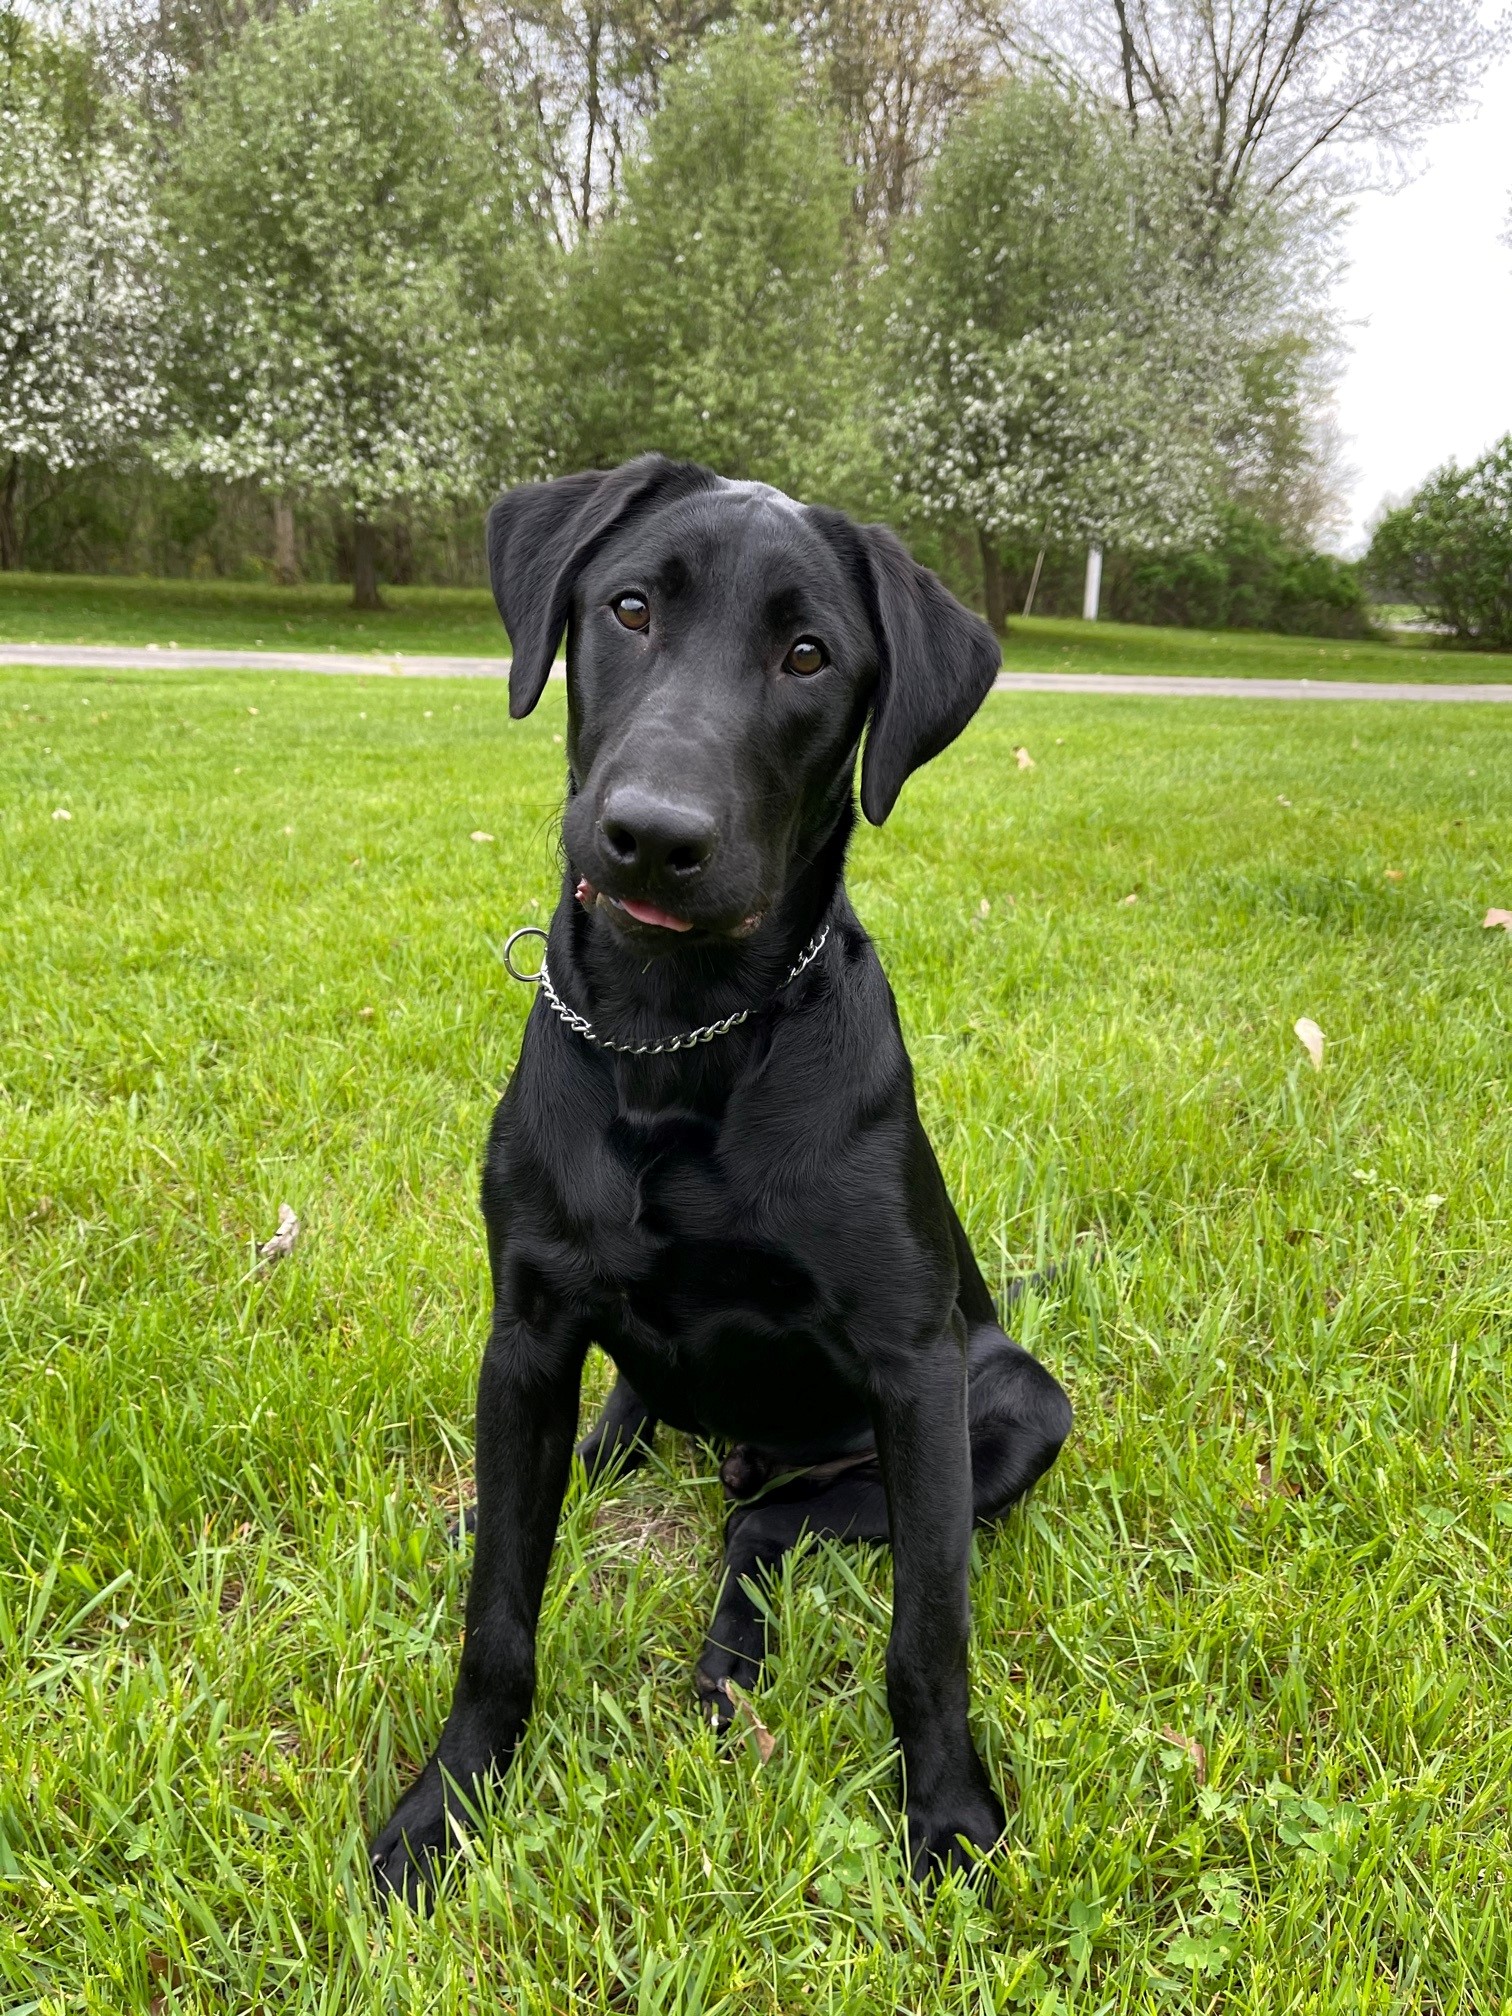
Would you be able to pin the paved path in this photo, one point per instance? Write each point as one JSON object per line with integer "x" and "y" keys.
{"x": 113, "y": 658}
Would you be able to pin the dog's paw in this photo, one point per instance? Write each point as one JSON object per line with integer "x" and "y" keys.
{"x": 953, "y": 1835}
{"x": 716, "y": 1704}
{"x": 409, "y": 1856}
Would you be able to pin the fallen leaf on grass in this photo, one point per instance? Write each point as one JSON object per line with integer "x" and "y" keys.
{"x": 480, "y": 835}
{"x": 1191, "y": 1748}
{"x": 1280, "y": 800}
{"x": 1265, "y": 1478}
{"x": 163, "y": 1976}
{"x": 1396, "y": 874}
{"x": 766, "y": 1742}
{"x": 1310, "y": 1036}
{"x": 1132, "y": 897}
{"x": 281, "y": 1245}
{"x": 1492, "y": 921}
{"x": 1024, "y": 760}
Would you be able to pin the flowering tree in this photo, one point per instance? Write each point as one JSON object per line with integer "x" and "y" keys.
{"x": 80, "y": 304}
{"x": 348, "y": 237}
{"x": 1063, "y": 339}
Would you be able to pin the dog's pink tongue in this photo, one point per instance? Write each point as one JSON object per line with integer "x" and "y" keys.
{"x": 647, "y": 913}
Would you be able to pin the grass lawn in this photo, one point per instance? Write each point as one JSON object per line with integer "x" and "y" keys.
{"x": 228, "y": 615}
{"x": 1241, "y": 1663}
{"x": 237, "y": 616}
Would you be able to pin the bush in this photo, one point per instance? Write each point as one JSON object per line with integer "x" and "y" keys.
{"x": 1450, "y": 550}
{"x": 1250, "y": 578}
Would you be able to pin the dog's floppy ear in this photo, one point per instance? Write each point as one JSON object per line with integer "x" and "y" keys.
{"x": 935, "y": 666}
{"x": 542, "y": 535}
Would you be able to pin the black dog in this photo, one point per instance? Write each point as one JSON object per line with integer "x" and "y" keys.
{"x": 752, "y": 1224}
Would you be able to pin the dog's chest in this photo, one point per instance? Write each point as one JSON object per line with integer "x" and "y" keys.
{"x": 715, "y": 1309}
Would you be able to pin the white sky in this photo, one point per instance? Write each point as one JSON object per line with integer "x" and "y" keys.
{"x": 1427, "y": 307}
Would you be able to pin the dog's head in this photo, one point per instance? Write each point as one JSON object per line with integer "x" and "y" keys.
{"x": 725, "y": 648}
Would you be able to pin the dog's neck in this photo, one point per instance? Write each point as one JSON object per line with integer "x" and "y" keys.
{"x": 636, "y": 996}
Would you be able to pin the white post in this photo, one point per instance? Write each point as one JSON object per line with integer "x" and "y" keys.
{"x": 1092, "y": 593}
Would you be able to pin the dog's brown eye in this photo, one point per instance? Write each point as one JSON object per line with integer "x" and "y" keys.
{"x": 806, "y": 656}
{"x": 632, "y": 611}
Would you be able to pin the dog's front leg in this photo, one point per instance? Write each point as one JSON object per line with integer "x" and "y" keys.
{"x": 920, "y": 1419}
{"x": 527, "y": 1413}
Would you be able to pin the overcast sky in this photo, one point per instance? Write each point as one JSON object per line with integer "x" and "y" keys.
{"x": 1427, "y": 301}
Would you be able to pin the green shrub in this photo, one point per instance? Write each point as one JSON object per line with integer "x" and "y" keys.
{"x": 1450, "y": 550}
{"x": 1250, "y": 578}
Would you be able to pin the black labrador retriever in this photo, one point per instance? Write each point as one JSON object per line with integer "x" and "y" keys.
{"x": 709, "y": 1161}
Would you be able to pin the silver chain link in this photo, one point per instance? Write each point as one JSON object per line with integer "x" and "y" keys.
{"x": 688, "y": 1040}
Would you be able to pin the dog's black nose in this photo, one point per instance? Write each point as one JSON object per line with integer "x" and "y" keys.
{"x": 649, "y": 833}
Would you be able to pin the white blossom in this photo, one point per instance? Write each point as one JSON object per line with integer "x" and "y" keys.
{"x": 80, "y": 292}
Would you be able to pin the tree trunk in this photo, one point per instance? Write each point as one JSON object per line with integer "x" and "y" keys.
{"x": 365, "y": 564}
{"x": 595, "y": 114}
{"x": 994, "y": 584}
{"x": 10, "y": 532}
{"x": 285, "y": 559}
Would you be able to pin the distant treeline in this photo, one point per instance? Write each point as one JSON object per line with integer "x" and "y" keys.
{"x": 291, "y": 291}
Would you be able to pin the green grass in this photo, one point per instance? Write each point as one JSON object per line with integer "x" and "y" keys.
{"x": 238, "y": 616}
{"x": 227, "y": 615}
{"x": 259, "y": 964}
{"x": 1049, "y": 644}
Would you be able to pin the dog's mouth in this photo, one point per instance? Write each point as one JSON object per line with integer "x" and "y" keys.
{"x": 651, "y": 915}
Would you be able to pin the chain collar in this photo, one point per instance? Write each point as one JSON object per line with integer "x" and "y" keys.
{"x": 687, "y": 1041}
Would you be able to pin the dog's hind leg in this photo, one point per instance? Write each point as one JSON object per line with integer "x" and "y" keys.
{"x": 622, "y": 1435}
{"x": 850, "y": 1506}
{"x": 1017, "y": 1413}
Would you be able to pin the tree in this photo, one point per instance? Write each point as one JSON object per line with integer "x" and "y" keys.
{"x": 80, "y": 304}
{"x": 350, "y": 240}
{"x": 705, "y": 317}
{"x": 580, "y": 79}
{"x": 151, "y": 50}
{"x": 896, "y": 73}
{"x": 1303, "y": 96}
{"x": 1282, "y": 451}
{"x": 1449, "y": 549}
{"x": 1062, "y": 348}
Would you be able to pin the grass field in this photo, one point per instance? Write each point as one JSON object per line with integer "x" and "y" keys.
{"x": 1242, "y": 1662}
{"x": 226, "y": 615}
